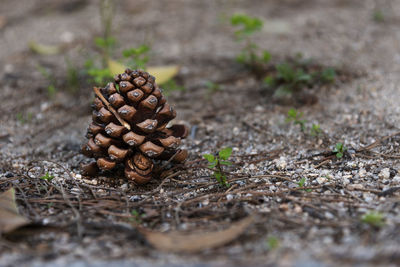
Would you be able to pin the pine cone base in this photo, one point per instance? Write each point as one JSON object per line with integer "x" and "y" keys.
{"x": 129, "y": 128}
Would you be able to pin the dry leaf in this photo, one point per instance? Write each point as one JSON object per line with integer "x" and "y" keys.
{"x": 162, "y": 73}
{"x": 178, "y": 242}
{"x": 44, "y": 49}
{"x": 9, "y": 216}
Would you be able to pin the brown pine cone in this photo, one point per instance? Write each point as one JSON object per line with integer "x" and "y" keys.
{"x": 129, "y": 127}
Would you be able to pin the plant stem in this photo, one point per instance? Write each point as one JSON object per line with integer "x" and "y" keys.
{"x": 107, "y": 8}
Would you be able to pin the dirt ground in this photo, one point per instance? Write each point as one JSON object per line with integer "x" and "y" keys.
{"x": 91, "y": 222}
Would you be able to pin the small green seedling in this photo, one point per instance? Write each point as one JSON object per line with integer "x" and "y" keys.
{"x": 171, "y": 86}
{"x": 315, "y": 130}
{"x": 47, "y": 177}
{"x": 216, "y": 162}
{"x": 51, "y": 88}
{"x": 378, "y": 16}
{"x": 302, "y": 183}
{"x": 72, "y": 76}
{"x": 250, "y": 54}
{"x": 212, "y": 87}
{"x": 328, "y": 75}
{"x": 292, "y": 77}
{"x": 288, "y": 79}
{"x": 97, "y": 74}
{"x": 247, "y": 25}
{"x": 137, "y": 57}
{"x": 106, "y": 46}
{"x": 374, "y": 218}
{"x": 136, "y": 217}
{"x": 24, "y": 118}
{"x": 339, "y": 150}
{"x": 295, "y": 117}
{"x": 272, "y": 242}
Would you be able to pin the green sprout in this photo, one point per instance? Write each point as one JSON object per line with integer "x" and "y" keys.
{"x": 248, "y": 25}
{"x": 292, "y": 77}
{"x": 171, "y": 86}
{"x": 72, "y": 76}
{"x": 315, "y": 130}
{"x": 378, "y": 15}
{"x": 302, "y": 183}
{"x": 24, "y": 118}
{"x": 216, "y": 162}
{"x": 136, "y": 217}
{"x": 339, "y": 150}
{"x": 328, "y": 75}
{"x": 295, "y": 116}
{"x": 98, "y": 75}
{"x": 288, "y": 79}
{"x": 250, "y": 54}
{"x": 51, "y": 88}
{"x": 47, "y": 177}
{"x": 137, "y": 57}
{"x": 212, "y": 87}
{"x": 374, "y": 218}
{"x": 272, "y": 242}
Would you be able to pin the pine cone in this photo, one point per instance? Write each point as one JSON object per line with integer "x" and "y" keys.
{"x": 129, "y": 128}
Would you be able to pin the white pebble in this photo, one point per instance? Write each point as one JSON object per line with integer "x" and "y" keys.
{"x": 321, "y": 180}
{"x": 396, "y": 179}
{"x": 362, "y": 173}
{"x": 384, "y": 174}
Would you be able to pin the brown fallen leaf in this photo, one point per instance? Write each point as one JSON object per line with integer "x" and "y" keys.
{"x": 190, "y": 243}
{"x": 10, "y": 219}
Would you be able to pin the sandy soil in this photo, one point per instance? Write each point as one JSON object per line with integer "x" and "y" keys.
{"x": 317, "y": 228}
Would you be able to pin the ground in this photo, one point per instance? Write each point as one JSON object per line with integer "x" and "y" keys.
{"x": 89, "y": 221}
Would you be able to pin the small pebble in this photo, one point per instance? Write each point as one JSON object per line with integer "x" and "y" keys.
{"x": 362, "y": 172}
{"x": 355, "y": 186}
{"x": 385, "y": 173}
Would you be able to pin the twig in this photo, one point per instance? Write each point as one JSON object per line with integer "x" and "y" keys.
{"x": 110, "y": 108}
{"x": 377, "y": 142}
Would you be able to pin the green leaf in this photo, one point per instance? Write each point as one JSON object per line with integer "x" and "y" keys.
{"x": 272, "y": 242}
{"x": 269, "y": 80}
{"x": 248, "y": 25}
{"x": 339, "y": 155}
{"x": 223, "y": 181}
{"x": 283, "y": 91}
{"x": 209, "y": 157}
{"x": 104, "y": 43}
{"x": 212, "y": 164}
{"x": 47, "y": 177}
{"x": 302, "y": 182}
{"x": 228, "y": 163}
{"x": 374, "y": 218}
{"x": 328, "y": 75}
{"x": 225, "y": 153}
{"x": 217, "y": 176}
{"x": 266, "y": 56}
{"x": 303, "y": 78}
